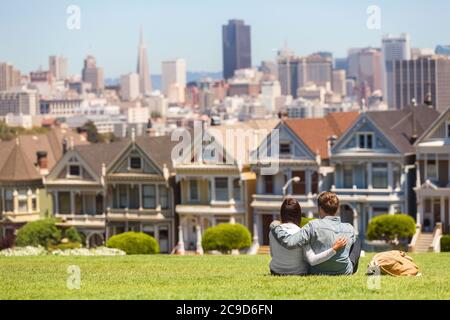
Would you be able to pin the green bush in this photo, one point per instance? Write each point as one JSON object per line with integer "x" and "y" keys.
{"x": 226, "y": 237}
{"x": 39, "y": 233}
{"x": 72, "y": 235}
{"x": 134, "y": 243}
{"x": 305, "y": 221}
{"x": 390, "y": 227}
{"x": 445, "y": 243}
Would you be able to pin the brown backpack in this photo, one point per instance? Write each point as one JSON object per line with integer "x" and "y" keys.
{"x": 394, "y": 263}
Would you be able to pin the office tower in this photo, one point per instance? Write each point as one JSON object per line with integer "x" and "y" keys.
{"x": 417, "y": 53}
{"x": 394, "y": 48}
{"x": 174, "y": 80}
{"x": 339, "y": 82}
{"x": 57, "y": 66}
{"x": 443, "y": 50}
{"x": 297, "y": 72}
{"x": 237, "y": 52}
{"x": 9, "y": 77}
{"x": 22, "y": 102}
{"x": 426, "y": 79}
{"x": 93, "y": 74}
{"x": 341, "y": 64}
{"x": 129, "y": 87}
{"x": 269, "y": 70}
{"x": 145, "y": 85}
{"x": 370, "y": 68}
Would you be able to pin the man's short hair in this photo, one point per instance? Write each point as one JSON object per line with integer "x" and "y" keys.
{"x": 328, "y": 202}
{"x": 291, "y": 211}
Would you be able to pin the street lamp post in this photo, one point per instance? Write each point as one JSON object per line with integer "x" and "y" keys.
{"x": 286, "y": 186}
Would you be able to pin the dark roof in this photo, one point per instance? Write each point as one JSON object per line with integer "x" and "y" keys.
{"x": 17, "y": 166}
{"x": 18, "y": 156}
{"x": 158, "y": 149}
{"x": 397, "y": 125}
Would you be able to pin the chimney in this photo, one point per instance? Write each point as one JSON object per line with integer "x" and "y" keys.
{"x": 42, "y": 161}
{"x": 414, "y": 124}
{"x": 83, "y": 133}
{"x": 64, "y": 146}
{"x": 331, "y": 140}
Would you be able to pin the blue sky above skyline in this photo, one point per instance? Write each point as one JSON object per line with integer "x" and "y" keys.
{"x": 31, "y": 30}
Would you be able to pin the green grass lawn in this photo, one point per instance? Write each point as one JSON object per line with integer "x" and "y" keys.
{"x": 206, "y": 277}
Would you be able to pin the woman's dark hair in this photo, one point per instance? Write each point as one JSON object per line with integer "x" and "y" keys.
{"x": 291, "y": 211}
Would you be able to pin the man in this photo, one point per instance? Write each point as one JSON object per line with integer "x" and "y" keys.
{"x": 321, "y": 234}
{"x": 296, "y": 261}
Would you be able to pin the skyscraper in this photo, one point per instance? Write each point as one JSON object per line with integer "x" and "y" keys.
{"x": 93, "y": 74}
{"x": 145, "y": 85}
{"x": 174, "y": 80}
{"x": 426, "y": 79}
{"x": 237, "y": 47}
{"x": 129, "y": 86}
{"x": 394, "y": 48}
{"x": 9, "y": 77}
{"x": 58, "y": 67}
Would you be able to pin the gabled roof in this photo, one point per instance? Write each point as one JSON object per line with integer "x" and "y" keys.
{"x": 25, "y": 147}
{"x": 397, "y": 125}
{"x": 315, "y": 132}
{"x": 18, "y": 167}
{"x": 443, "y": 116}
{"x": 158, "y": 149}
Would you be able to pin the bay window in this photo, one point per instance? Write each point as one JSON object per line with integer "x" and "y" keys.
{"x": 149, "y": 196}
{"x": 221, "y": 185}
{"x": 379, "y": 175}
{"x": 164, "y": 197}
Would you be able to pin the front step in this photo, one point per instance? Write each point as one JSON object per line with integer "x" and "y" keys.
{"x": 424, "y": 242}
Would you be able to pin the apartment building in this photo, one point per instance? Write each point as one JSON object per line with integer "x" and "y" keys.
{"x": 303, "y": 154}
{"x": 107, "y": 189}
{"x": 375, "y": 164}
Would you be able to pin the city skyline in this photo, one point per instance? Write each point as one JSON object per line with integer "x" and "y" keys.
{"x": 200, "y": 41}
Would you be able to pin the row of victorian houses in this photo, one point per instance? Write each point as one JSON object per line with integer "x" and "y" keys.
{"x": 377, "y": 162}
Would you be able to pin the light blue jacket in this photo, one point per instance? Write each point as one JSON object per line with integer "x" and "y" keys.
{"x": 321, "y": 234}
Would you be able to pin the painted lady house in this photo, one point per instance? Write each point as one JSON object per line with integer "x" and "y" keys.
{"x": 303, "y": 153}
{"x": 107, "y": 189}
{"x": 375, "y": 164}
{"x": 214, "y": 190}
{"x": 24, "y": 163}
{"x": 433, "y": 183}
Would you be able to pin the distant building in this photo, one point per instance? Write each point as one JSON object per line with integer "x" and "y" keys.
{"x": 9, "y": 77}
{"x": 93, "y": 74}
{"x": 58, "y": 67}
{"x": 129, "y": 87}
{"x": 296, "y": 72}
{"x": 19, "y": 102}
{"x": 427, "y": 80}
{"x": 145, "y": 84}
{"x": 339, "y": 82}
{"x": 443, "y": 50}
{"x": 270, "y": 91}
{"x": 59, "y": 107}
{"x": 394, "y": 48}
{"x": 236, "y": 42}
{"x": 174, "y": 80}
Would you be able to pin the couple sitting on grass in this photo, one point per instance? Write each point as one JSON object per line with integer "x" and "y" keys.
{"x": 325, "y": 246}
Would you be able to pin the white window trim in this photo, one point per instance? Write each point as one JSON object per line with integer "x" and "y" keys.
{"x": 69, "y": 176}
{"x": 290, "y": 148}
{"x": 189, "y": 191}
{"x": 436, "y": 159}
{"x": 133, "y": 169}
{"x": 365, "y": 134}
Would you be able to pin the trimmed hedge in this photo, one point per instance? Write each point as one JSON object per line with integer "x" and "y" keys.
{"x": 445, "y": 243}
{"x": 389, "y": 227}
{"x": 226, "y": 237}
{"x": 134, "y": 243}
{"x": 39, "y": 233}
{"x": 72, "y": 235}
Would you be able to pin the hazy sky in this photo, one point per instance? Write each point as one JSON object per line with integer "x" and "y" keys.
{"x": 31, "y": 30}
